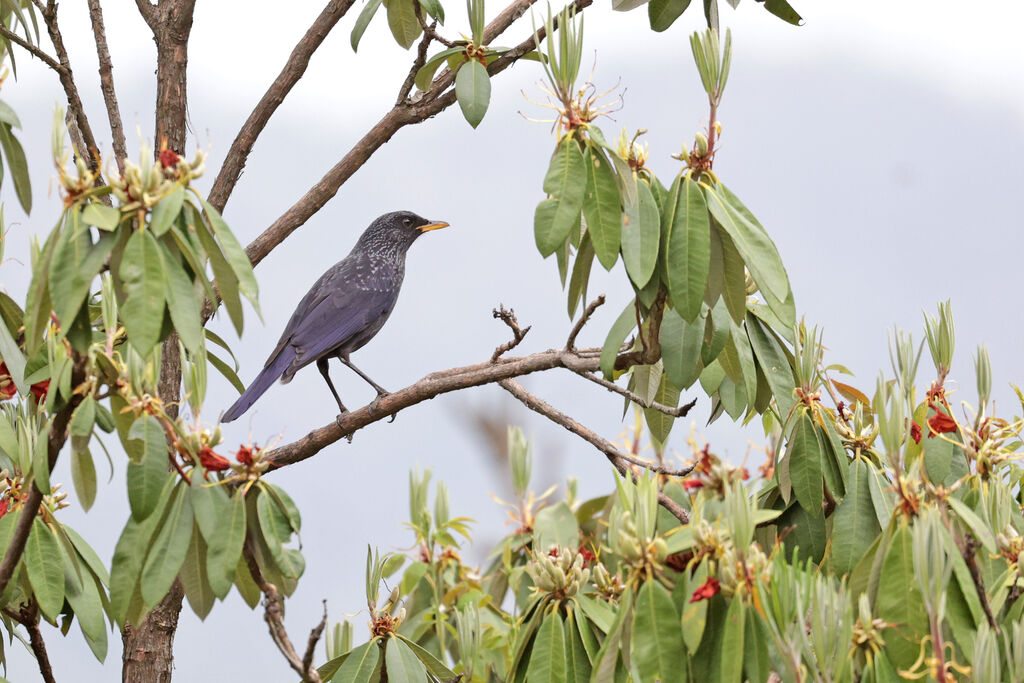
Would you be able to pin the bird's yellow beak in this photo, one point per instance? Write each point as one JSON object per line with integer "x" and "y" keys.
{"x": 433, "y": 226}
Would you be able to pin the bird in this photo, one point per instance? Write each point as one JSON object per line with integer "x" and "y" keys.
{"x": 344, "y": 309}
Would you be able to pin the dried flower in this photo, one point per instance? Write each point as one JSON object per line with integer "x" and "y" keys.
{"x": 213, "y": 462}
{"x": 940, "y": 423}
{"x": 915, "y": 432}
{"x": 709, "y": 589}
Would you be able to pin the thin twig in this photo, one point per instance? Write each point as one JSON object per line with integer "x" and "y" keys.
{"x": 91, "y": 152}
{"x": 274, "y": 616}
{"x": 430, "y": 30}
{"x": 28, "y": 616}
{"x": 293, "y": 70}
{"x": 421, "y": 59}
{"x": 508, "y": 316}
{"x": 31, "y": 49}
{"x": 681, "y": 411}
{"x": 617, "y": 458}
{"x": 967, "y": 549}
{"x": 570, "y": 343}
{"x": 314, "y": 638}
{"x": 107, "y": 85}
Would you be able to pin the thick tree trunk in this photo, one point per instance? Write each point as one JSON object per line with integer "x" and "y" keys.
{"x": 149, "y": 646}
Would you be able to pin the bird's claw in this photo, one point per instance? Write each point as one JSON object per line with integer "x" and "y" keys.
{"x": 337, "y": 421}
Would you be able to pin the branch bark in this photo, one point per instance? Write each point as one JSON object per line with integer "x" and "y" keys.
{"x": 107, "y": 85}
{"x": 148, "y": 655}
{"x": 28, "y": 616}
{"x": 293, "y": 70}
{"x": 616, "y": 457}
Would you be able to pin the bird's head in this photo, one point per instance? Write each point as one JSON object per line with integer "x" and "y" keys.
{"x": 399, "y": 228}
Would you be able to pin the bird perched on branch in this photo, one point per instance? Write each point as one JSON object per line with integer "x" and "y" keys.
{"x": 344, "y": 309}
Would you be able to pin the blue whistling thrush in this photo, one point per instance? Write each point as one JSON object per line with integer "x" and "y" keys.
{"x": 344, "y": 309}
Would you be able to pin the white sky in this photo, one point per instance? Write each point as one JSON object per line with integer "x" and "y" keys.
{"x": 880, "y": 144}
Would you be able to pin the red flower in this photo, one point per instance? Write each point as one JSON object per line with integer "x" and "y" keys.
{"x": 212, "y": 461}
{"x": 554, "y": 552}
{"x": 588, "y": 556}
{"x": 7, "y": 388}
{"x": 691, "y": 484}
{"x": 706, "y": 591}
{"x": 244, "y": 455}
{"x": 940, "y": 423}
{"x": 5, "y": 505}
{"x": 169, "y": 158}
{"x": 39, "y": 390}
{"x": 915, "y": 432}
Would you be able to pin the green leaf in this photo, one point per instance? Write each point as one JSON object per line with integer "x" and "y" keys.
{"x": 235, "y": 255}
{"x": 15, "y": 360}
{"x": 276, "y": 532}
{"x": 981, "y": 530}
{"x": 405, "y": 27}
{"x": 88, "y": 555}
{"x": 899, "y": 601}
{"x": 183, "y": 305}
{"x": 658, "y": 422}
{"x": 18, "y": 167}
{"x": 681, "y": 344}
{"x": 83, "y": 475}
{"x": 688, "y": 251}
{"x": 225, "y": 370}
{"x": 752, "y": 242}
{"x": 166, "y": 210}
{"x": 363, "y": 21}
{"x": 45, "y": 568}
{"x": 359, "y": 665}
{"x": 473, "y": 90}
{"x": 102, "y": 216}
{"x": 225, "y": 548}
{"x": 425, "y": 75}
{"x": 169, "y": 548}
{"x": 547, "y": 660}
{"x": 143, "y": 274}
{"x": 576, "y": 657}
{"x": 129, "y": 555}
{"x": 601, "y": 207}
{"x": 227, "y": 281}
{"x": 657, "y": 636}
{"x": 402, "y": 662}
{"x": 783, "y": 10}
{"x": 555, "y": 525}
{"x": 731, "y": 663}
{"x": 608, "y": 656}
{"x": 147, "y": 477}
{"x": 87, "y": 605}
{"x": 8, "y": 115}
{"x": 436, "y": 668}
{"x": 774, "y": 364}
{"x": 805, "y": 465}
{"x": 434, "y": 9}
{"x": 621, "y": 328}
{"x": 580, "y": 277}
{"x": 880, "y": 496}
{"x": 663, "y": 13}
{"x": 641, "y": 235}
{"x": 854, "y": 526}
{"x": 734, "y": 279}
{"x": 38, "y": 304}
{"x": 565, "y": 182}
{"x": 76, "y": 276}
{"x": 194, "y": 577}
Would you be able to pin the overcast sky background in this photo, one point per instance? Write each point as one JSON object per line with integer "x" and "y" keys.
{"x": 880, "y": 145}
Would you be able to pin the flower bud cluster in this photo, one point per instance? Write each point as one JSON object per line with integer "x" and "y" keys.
{"x": 609, "y": 586}
{"x": 387, "y": 619}
{"x": 740, "y": 576}
{"x": 561, "y": 575}
{"x": 632, "y": 151}
{"x": 143, "y": 185}
{"x": 712, "y": 474}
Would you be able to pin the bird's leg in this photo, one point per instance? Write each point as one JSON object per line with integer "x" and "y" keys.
{"x": 321, "y": 365}
{"x": 381, "y": 391}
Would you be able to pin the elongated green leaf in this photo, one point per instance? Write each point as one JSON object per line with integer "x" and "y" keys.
{"x": 83, "y": 475}
{"x": 425, "y": 75}
{"x": 143, "y": 275}
{"x": 608, "y": 656}
{"x": 565, "y": 182}
{"x": 681, "y": 344}
{"x": 88, "y": 555}
{"x": 657, "y": 636}
{"x": 183, "y": 305}
{"x": 8, "y": 115}
{"x": 805, "y": 465}
{"x": 577, "y": 660}
{"x": 688, "y": 255}
{"x": 224, "y": 547}
{"x": 981, "y": 530}
{"x": 434, "y": 666}
{"x": 87, "y": 605}
{"x": 402, "y": 662}
{"x": 473, "y": 90}
{"x": 15, "y": 361}
{"x": 359, "y": 665}
{"x": 147, "y": 477}
{"x": 854, "y": 527}
{"x": 225, "y": 369}
{"x": 623, "y": 325}
{"x": 194, "y": 576}
{"x": 641, "y": 236}
{"x": 434, "y": 9}
{"x": 663, "y": 13}
{"x": 602, "y": 207}
{"x": 899, "y": 601}
{"x": 227, "y": 281}
{"x": 734, "y": 284}
{"x": 881, "y": 498}
{"x": 547, "y": 660}
{"x": 405, "y": 27}
{"x": 18, "y": 166}
{"x": 774, "y": 364}
{"x": 166, "y": 210}
{"x": 363, "y": 21}
{"x": 38, "y": 304}
{"x": 753, "y": 243}
{"x": 783, "y": 10}
{"x": 658, "y": 422}
{"x": 129, "y": 556}
{"x": 45, "y": 567}
{"x": 169, "y": 548}
{"x": 235, "y": 255}
{"x": 555, "y": 525}
{"x": 103, "y": 217}
{"x": 731, "y": 662}
{"x": 276, "y": 532}
{"x": 580, "y": 277}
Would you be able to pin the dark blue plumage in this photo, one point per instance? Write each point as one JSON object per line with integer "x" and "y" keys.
{"x": 346, "y": 307}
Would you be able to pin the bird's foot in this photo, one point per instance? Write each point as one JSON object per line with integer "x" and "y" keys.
{"x": 338, "y": 421}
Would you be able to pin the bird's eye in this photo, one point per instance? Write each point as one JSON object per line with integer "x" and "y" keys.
{"x": 407, "y": 222}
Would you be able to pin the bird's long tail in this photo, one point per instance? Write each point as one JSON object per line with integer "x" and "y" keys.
{"x": 267, "y": 377}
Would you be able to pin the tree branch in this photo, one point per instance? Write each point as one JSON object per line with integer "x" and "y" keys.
{"x": 293, "y": 70}
{"x": 570, "y": 343}
{"x": 274, "y": 616}
{"x": 421, "y": 56}
{"x": 967, "y": 549}
{"x": 107, "y": 85}
{"x": 31, "y": 49}
{"x": 617, "y": 458}
{"x": 437, "y": 99}
{"x": 508, "y": 316}
{"x": 28, "y": 616}
{"x": 67, "y": 80}
{"x": 680, "y": 411}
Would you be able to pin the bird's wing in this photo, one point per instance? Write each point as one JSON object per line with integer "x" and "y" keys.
{"x": 336, "y": 319}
